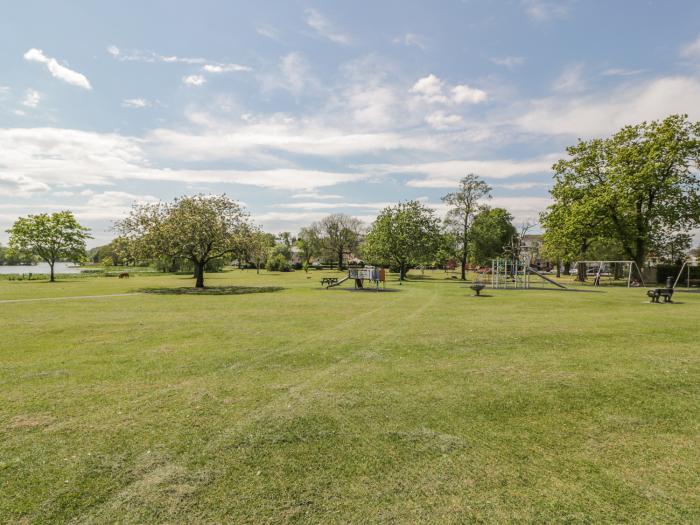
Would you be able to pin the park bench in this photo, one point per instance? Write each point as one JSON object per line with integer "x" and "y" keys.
{"x": 329, "y": 281}
{"x": 666, "y": 293}
{"x": 658, "y": 293}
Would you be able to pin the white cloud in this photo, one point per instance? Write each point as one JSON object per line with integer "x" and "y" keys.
{"x": 12, "y": 184}
{"x": 601, "y": 114}
{"x": 412, "y": 40}
{"x": 570, "y": 80}
{"x": 4, "y": 91}
{"x": 315, "y": 195}
{"x": 68, "y": 158}
{"x": 151, "y": 57}
{"x": 372, "y": 106}
{"x": 135, "y": 103}
{"x": 464, "y": 93}
{"x": 267, "y": 31}
{"x": 57, "y": 70}
{"x": 543, "y": 11}
{"x": 431, "y": 89}
{"x": 440, "y": 120}
{"x": 224, "y": 68}
{"x": 324, "y": 28}
{"x": 691, "y": 49}
{"x": 295, "y": 70}
{"x": 315, "y": 205}
{"x": 117, "y": 199}
{"x": 446, "y": 174}
{"x": 522, "y": 185}
{"x": 508, "y": 61}
{"x": 222, "y": 141}
{"x": 31, "y": 98}
{"x": 194, "y": 80}
{"x": 621, "y": 72}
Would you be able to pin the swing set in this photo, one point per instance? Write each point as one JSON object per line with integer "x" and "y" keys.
{"x": 611, "y": 271}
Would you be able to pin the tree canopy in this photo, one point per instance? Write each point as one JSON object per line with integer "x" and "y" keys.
{"x": 197, "y": 228}
{"x": 491, "y": 231}
{"x": 339, "y": 235}
{"x": 51, "y": 237}
{"x": 403, "y": 236}
{"x": 637, "y": 188}
{"x": 463, "y": 205}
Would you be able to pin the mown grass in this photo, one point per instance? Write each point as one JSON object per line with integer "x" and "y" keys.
{"x": 315, "y": 406}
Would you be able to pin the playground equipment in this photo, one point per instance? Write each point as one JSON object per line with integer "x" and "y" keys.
{"x": 372, "y": 274}
{"x": 517, "y": 273}
{"x": 611, "y": 271}
{"x": 687, "y": 265}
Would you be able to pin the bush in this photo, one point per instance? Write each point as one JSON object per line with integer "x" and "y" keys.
{"x": 277, "y": 263}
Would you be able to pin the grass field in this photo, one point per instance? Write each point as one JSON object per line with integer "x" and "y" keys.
{"x": 305, "y": 405}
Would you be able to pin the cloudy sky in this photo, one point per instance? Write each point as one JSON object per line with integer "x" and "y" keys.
{"x": 300, "y": 109}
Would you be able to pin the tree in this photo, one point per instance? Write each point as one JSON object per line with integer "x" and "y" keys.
{"x": 636, "y": 187}
{"x": 673, "y": 247}
{"x": 490, "y": 233}
{"x": 259, "y": 244}
{"x": 403, "y": 235}
{"x": 463, "y": 206}
{"x": 287, "y": 239}
{"x": 52, "y": 237}
{"x": 340, "y": 235}
{"x": 309, "y": 243}
{"x": 199, "y": 229}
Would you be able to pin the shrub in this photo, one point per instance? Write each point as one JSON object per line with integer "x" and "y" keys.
{"x": 277, "y": 263}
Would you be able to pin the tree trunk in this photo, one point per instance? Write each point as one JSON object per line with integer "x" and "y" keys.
{"x": 640, "y": 249}
{"x": 558, "y": 268}
{"x": 463, "y": 260}
{"x": 567, "y": 268}
{"x": 52, "y": 278}
{"x": 199, "y": 274}
{"x": 340, "y": 260}
{"x": 402, "y": 272}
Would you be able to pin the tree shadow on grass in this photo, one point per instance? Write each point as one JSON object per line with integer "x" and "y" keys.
{"x": 213, "y": 290}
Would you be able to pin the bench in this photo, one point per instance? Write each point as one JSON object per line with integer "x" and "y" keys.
{"x": 658, "y": 293}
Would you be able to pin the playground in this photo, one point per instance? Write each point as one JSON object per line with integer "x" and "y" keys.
{"x": 290, "y": 401}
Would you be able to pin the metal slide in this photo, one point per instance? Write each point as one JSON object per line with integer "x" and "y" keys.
{"x": 542, "y": 276}
{"x": 338, "y": 283}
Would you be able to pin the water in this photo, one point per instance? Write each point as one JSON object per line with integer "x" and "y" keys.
{"x": 59, "y": 267}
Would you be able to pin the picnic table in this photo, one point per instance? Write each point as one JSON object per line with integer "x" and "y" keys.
{"x": 328, "y": 281}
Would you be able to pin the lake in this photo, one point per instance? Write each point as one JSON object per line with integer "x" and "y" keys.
{"x": 59, "y": 267}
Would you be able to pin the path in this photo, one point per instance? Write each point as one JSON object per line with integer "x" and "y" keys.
{"x": 67, "y": 297}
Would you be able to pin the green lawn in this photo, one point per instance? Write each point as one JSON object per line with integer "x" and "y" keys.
{"x": 305, "y": 405}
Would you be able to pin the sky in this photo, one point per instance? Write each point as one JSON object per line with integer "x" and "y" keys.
{"x": 300, "y": 109}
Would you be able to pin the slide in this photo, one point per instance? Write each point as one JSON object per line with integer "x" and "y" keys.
{"x": 338, "y": 283}
{"x": 532, "y": 270}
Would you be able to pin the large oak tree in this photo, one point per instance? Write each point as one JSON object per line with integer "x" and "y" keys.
{"x": 636, "y": 188}
{"x": 197, "y": 228}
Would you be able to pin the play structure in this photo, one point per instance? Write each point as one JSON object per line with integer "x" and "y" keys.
{"x": 517, "y": 273}
{"x": 684, "y": 275}
{"x": 374, "y": 276}
{"x": 610, "y": 272}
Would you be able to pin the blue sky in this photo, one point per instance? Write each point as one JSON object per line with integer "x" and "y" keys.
{"x": 300, "y": 109}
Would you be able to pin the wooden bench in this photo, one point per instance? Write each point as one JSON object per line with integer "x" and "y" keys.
{"x": 658, "y": 293}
